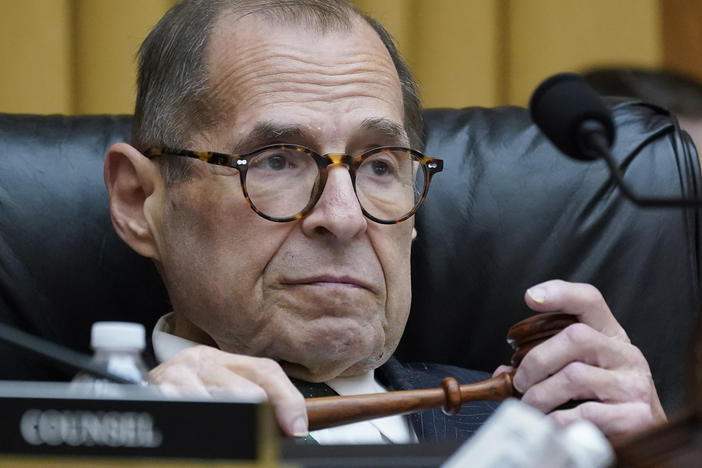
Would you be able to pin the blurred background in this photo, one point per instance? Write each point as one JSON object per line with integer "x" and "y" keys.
{"x": 78, "y": 56}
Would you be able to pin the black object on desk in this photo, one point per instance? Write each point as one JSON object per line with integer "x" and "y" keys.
{"x": 53, "y": 419}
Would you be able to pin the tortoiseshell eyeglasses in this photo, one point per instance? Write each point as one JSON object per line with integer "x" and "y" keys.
{"x": 283, "y": 182}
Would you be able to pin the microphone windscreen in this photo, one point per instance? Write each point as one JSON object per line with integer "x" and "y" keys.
{"x": 560, "y": 106}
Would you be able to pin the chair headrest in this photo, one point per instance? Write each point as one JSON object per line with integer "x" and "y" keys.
{"x": 510, "y": 211}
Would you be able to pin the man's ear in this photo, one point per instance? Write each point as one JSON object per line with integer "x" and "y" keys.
{"x": 136, "y": 189}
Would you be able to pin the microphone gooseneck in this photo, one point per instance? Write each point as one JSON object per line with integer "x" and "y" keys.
{"x": 65, "y": 357}
{"x": 579, "y": 123}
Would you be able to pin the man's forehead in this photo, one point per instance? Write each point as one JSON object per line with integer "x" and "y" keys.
{"x": 295, "y": 73}
{"x": 232, "y": 31}
{"x": 267, "y": 132}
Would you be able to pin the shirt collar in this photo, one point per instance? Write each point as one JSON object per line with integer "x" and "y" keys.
{"x": 166, "y": 344}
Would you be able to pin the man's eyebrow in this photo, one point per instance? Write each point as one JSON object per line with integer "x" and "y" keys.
{"x": 266, "y": 133}
{"x": 386, "y": 127}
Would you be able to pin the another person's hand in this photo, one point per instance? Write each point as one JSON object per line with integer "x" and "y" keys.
{"x": 592, "y": 360}
{"x": 206, "y": 371}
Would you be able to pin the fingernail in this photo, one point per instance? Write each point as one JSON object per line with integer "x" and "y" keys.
{"x": 300, "y": 427}
{"x": 538, "y": 295}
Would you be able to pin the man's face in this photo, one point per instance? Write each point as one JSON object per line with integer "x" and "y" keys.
{"x": 327, "y": 295}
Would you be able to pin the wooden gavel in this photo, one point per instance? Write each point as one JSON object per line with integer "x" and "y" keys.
{"x": 332, "y": 411}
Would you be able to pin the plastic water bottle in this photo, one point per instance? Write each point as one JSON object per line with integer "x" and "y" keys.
{"x": 118, "y": 347}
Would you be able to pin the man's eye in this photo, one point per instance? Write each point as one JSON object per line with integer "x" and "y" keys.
{"x": 273, "y": 162}
{"x": 380, "y": 168}
{"x": 276, "y": 162}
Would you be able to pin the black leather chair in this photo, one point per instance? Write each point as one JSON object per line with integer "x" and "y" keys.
{"x": 507, "y": 212}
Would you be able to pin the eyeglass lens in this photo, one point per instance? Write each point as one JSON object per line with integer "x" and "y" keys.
{"x": 281, "y": 181}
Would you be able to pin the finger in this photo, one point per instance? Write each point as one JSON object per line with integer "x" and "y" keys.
{"x": 227, "y": 385}
{"x": 287, "y": 401}
{"x": 217, "y": 379}
{"x": 611, "y": 419}
{"x": 578, "y": 381}
{"x": 221, "y": 382}
{"x": 168, "y": 390}
{"x": 174, "y": 382}
{"x": 579, "y": 299}
{"x": 195, "y": 368}
{"x": 502, "y": 369}
{"x": 245, "y": 391}
{"x": 578, "y": 342}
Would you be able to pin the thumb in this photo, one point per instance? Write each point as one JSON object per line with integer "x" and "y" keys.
{"x": 579, "y": 299}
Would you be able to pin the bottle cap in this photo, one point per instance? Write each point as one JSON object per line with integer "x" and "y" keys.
{"x": 117, "y": 335}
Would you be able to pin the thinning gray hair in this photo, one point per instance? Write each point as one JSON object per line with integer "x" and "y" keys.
{"x": 172, "y": 94}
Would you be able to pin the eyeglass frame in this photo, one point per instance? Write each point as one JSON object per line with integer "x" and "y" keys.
{"x": 429, "y": 165}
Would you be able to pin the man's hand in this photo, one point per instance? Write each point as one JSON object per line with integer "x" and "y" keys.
{"x": 205, "y": 371}
{"x": 591, "y": 360}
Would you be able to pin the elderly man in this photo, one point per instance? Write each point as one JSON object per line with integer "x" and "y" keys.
{"x": 271, "y": 181}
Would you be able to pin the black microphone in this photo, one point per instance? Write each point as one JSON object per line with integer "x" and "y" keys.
{"x": 579, "y": 123}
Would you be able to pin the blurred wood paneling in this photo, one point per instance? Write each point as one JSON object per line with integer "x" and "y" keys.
{"x": 36, "y": 56}
{"x": 72, "y": 56}
{"x": 682, "y": 36}
{"x": 451, "y": 45}
{"x": 78, "y": 56}
{"x": 107, "y": 36}
{"x": 550, "y": 36}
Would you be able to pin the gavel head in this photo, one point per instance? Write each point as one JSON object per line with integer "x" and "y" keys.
{"x": 531, "y": 331}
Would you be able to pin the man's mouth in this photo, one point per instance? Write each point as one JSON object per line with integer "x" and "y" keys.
{"x": 328, "y": 281}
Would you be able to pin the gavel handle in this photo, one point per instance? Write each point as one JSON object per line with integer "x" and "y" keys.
{"x": 326, "y": 412}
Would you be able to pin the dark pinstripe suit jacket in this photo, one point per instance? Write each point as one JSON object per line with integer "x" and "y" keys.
{"x": 433, "y": 424}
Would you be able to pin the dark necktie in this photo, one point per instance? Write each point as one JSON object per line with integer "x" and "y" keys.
{"x": 312, "y": 390}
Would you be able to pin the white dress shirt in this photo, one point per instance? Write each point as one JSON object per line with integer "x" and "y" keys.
{"x": 391, "y": 429}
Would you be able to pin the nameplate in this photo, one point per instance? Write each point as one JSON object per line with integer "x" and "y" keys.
{"x": 51, "y": 419}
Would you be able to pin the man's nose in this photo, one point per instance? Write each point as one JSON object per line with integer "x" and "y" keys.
{"x": 337, "y": 211}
